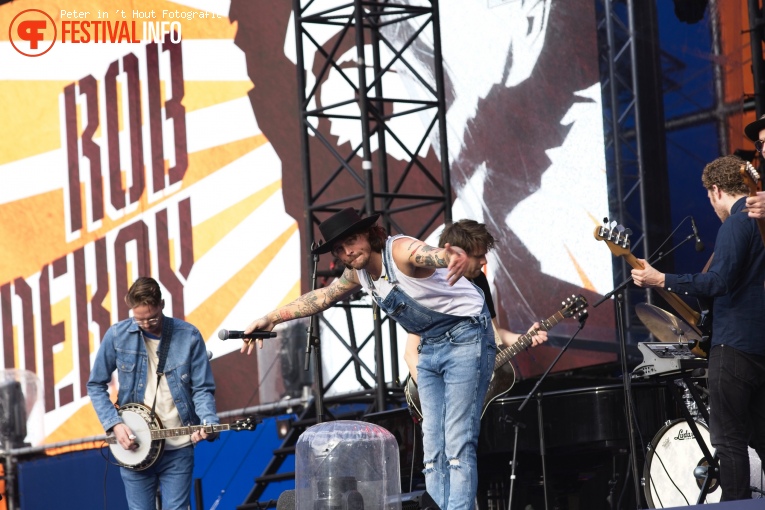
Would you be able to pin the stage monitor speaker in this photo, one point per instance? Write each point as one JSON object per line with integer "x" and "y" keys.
{"x": 418, "y": 500}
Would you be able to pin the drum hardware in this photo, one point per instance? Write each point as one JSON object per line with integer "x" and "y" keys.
{"x": 689, "y": 401}
{"x": 673, "y": 354}
{"x": 675, "y": 454}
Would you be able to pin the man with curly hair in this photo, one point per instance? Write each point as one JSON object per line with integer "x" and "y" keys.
{"x": 734, "y": 281}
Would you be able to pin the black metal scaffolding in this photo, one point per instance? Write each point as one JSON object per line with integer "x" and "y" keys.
{"x": 369, "y": 46}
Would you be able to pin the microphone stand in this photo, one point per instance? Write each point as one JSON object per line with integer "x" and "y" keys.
{"x": 540, "y": 421}
{"x": 626, "y": 380}
{"x": 314, "y": 341}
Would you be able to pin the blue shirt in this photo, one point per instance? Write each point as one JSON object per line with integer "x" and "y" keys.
{"x": 187, "y": 369}
{"x": 736, "y": 282}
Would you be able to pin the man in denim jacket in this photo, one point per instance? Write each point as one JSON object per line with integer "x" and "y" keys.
{"x": 422, "y": 289}
{"x": 184, "y": 395}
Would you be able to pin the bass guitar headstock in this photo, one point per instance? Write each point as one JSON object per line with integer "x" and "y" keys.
{"x": 751, "y": 178}
{"x": 616, "y": 236}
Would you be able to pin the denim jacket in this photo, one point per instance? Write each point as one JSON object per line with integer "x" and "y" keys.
{"x": 187, "y": 371}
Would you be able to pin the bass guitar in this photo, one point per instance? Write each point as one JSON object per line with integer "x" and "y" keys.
{"x": 754, "y": 183}
{"x": 150, "y": 436}
{"x": 503, "y": 376}
{"x": 617, "y": 238}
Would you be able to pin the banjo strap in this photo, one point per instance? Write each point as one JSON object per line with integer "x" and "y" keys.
{"x": 164, "y": 348}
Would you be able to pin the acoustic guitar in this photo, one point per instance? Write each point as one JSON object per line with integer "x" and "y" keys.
{"x": 503, "y": 376}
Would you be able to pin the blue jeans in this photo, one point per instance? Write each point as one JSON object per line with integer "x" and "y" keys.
{"x": 736, "y": 416}
{"x": 172, "y": 471}
{"x": 453, "y": 374}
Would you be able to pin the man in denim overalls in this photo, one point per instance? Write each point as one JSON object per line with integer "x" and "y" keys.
{"x": 420, "y": 287}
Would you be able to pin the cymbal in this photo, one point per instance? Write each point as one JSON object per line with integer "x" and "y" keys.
{"x": 665, "y": 326}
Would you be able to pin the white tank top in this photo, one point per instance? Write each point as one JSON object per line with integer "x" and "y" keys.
{"x": 433, "y": 292}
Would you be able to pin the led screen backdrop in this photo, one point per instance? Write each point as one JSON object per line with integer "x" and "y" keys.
{"x": 161, "y": 138}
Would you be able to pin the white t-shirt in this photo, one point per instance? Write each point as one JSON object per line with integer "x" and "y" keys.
{"x": 433, "y": 292}
{"x": 165, "y": 409}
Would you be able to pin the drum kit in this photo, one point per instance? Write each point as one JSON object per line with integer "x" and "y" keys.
{"x": 675, "y": 465}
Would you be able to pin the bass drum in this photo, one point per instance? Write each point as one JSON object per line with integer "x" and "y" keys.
{"x": 672, "y": 457}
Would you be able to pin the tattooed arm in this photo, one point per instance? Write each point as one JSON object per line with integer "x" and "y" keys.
{"x": 411, "y": 254}
{"x": 306, "y": 305}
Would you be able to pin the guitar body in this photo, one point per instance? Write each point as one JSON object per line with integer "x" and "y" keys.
{"x": 136, "y": 416}
{"x": 503, "y": 375}
{"x": 502, "y": 381}
{"x": 413, "y": 398}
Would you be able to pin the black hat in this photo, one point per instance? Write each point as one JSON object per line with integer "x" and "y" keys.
{"x": 340, "y": 225}
{"x": 753, "y": 129}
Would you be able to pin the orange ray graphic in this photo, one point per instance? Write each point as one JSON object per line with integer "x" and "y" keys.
{"x": 34, "y": 125}
{"x": 82, "y": 423}
{"x": 201, "y": 94}
{"x": 208, "y": 316}
{"x": 210, "y": 232}
{"x": 202, "y": 163}
{"x": 42, "y": 239}
{"x": 586, "y": 282}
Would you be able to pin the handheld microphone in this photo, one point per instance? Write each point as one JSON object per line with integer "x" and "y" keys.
{"x": 699, "y": 244}
{"x": 225, "y": 334}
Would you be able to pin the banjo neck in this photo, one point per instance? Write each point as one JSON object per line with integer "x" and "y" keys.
{"x": 187, "y": 431}
{"x": 178, "y": 431}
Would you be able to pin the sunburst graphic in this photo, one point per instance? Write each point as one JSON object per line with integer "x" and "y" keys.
{"x": 229, "y": 243}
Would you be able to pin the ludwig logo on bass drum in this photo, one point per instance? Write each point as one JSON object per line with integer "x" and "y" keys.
{"x": 684, "y": 434}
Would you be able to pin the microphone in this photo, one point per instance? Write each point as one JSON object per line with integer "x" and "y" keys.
{"x": 699, "y": 244}
{"x": 225, "y": 334}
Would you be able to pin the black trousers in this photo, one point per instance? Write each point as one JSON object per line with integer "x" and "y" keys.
{"x": 736, "y": 415}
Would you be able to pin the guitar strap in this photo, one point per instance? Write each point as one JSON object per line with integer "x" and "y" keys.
{"x": 164, "y": 348}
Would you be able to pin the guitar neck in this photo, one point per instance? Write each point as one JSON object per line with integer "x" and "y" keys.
{"x": 187, "y": 431}
{"x": 688, "y": 314}
{"x": 525, "y": 341}
{"x": 754, "y": 183}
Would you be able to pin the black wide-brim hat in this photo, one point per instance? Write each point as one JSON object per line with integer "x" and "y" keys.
{"x": 340, "y": 225}
{"x": 752, "y": 130}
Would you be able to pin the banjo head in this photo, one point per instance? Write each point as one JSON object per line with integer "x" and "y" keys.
{"x": 136, "y": 416}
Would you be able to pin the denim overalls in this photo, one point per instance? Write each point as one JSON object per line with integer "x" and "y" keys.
{"x": 453, "y": 372}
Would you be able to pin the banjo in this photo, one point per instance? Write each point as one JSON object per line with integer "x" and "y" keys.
{"x": 150, "y": 436}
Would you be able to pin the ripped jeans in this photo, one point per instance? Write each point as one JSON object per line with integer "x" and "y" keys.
{"x": 453, "y": 374}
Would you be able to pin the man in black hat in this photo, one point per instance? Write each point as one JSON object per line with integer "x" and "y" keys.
{"x": 755, "y": 131}
{"x": 420, "y": 287}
